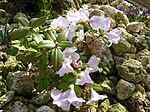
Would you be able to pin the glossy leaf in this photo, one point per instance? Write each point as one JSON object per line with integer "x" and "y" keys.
{"x": 97, "y": 87}
{"x": 65, "y": 44}
{"x": 46, "y": 44}
{"x": 37, "y": 37}
{"x": 56, "y": 58}
{"x": 63, "y": 36}
{"x": 18, "y": 34}
{"x": 21, "y": 48}
{"x": 23, "y": 21}
{"x": 37, "y": 22}
{"x": 50, "y": 35}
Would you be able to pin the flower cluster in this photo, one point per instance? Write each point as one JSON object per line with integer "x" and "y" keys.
{"x": 72, "y": 64}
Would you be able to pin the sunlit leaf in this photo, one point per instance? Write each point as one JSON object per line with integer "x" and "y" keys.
{"x": 65, "y": 44}
{"x": 23, "y": 21}
{"x": 56, "y": 58}
{"x": 46, "y": 44}
{"x": 37, "y": 37}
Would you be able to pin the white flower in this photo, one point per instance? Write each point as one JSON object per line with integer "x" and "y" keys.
{"x": 62, "y": 22}
{"x": 66, "y": 67}
{"x": 73, "y": 99}
{"x": 93, "y": 63}
{"x": 114, "y": 35}
{"x": 99, "y": 22}
{"x": 70, "y": 53}
{"x": 95, "y": 97}
{"x": 84, "y": 78}
{"x": 60, "y": 99}
{"x": 65, "y": 99}
{"x": 80, "y": 34}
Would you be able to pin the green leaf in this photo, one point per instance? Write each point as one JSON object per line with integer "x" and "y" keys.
{"x": 69, "y": 78}
{"x": 43, "y": 62}
{"x": 56, "y": 57}
{"x": 18, "y": 34}
{"x": 33, "y": 44}
{"x": 36, "y": 22}
{"x": 64, "y": 86}
{"x": 23, "y": 21}
{"x": 46, "y": 44}
{"x": 97, "y": 87}
{"x": 78, "y": 91}
{"x": 21, "y": 48}
{"x": 43, "y": 80}
{"x": 65, "y": 44}
{"x": 37, "y": 37}
{"x": 63, "y": 36}
{"x": 50, "y": 35}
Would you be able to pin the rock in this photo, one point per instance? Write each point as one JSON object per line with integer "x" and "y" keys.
{"x": 117, "y": 108}
{"x": 21, "y": 83}
{"x": 108, "y": 87}
{"x": 10, "y": 65}
{"x": 144, "y": 57}
{"x": 2, "y": 86}
{"x": 44, "y": 109}
{"x": 135, "y": 27}
{"x": 146, "y": 80}
{"x": 115, "y": 14}
{"x": 6, "y": 98}
{"x": 131, "y": 70}
{"x": 98, "y": 48}
{"x": 16, "y": 106}
{"x": 124, "y": 89}
{"x": 123, "y": 46}
{"x": 42, "y": 98}
{"x": 140, "y": 88}
{"x": 104, "y": 106}
{"x": 130, "y": 38}
{"x": 138, "y": 103}
{"x": 148, "y": 94}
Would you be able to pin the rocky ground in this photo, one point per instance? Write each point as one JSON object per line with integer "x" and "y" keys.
{"x": 127, "y": 84}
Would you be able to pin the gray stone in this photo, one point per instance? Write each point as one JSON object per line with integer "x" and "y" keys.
{"x": 21, "y": 83}
{"x": 44, "y": 109}
{"x": 6, "y": 98}
{"x": 131, "y": 70}
{"x": 135, "y": 27}
{"x": 115, "y": 14}
{"x": 117, "y": 108}
{"x": 42, "y": 98}
{"x": 124, "y": 89}
{"x": 16, "y": 106}
{"x": 123, "y": 46}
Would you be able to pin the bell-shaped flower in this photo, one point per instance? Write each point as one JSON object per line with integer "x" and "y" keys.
{"x": 73, "y": 99}
{"x": 84, "y": 78}
{"x": 61, "y": 22}
{"x": 84, "y": 13}
{"x": 114, "y": 35}
{"x": 93, "y": 63}
{"x": 95, "y": 97}
{"x": 99, "y": 22}
{"x": 59, "y": 98}
{"x": 71, "y": 54}
{"x": 66, "y": 67}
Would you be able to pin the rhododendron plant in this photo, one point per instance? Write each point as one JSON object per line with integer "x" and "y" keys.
{"x": 56, "y": 52}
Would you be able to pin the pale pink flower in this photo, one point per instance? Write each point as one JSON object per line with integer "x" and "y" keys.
{"x": 114, "y": 35}
{"x": 99, "y": 22}
{"x": 84, "y": 78}
{"x": 71, "y": 54}
{"x": 95, "y": 97}
{"x": 73, "y": 99}
{"x": 59, "y": 98}
{"x": 61, "y": 22}
{"x": 93, "y": 64}
{"x": 66, "y": 67}
{"x": 65, "y": 99}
